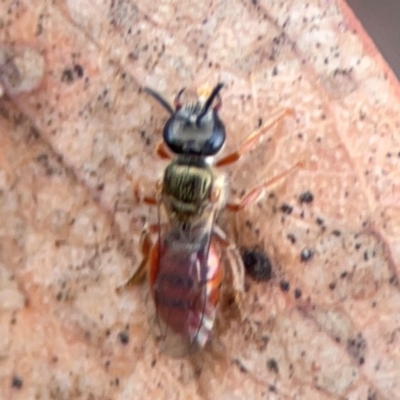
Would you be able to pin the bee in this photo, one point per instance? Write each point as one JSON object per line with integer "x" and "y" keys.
{"x": 185, "y": 265}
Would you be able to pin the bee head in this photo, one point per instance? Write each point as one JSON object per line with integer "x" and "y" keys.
{"x": 194, "y": 129}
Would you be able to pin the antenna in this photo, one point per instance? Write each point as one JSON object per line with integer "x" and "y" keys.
{"x": 208, "y": 102}
{"x": 160, "y": 99}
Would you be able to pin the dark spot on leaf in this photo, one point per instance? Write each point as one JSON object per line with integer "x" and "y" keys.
{"x": 123, "y": 337}
{"x": 319, "y": 221}
{"x": 284, "y": 285}
{"x": 286, "y": 208}
{"x": 306, "y": 255}
{"x": 67, "y": 76}
{"x": 273, "y": 365}
{"x": 78, "y": 70}
{"x": 393, "y": 280}
{"x": 257, "y": 264}
{"x": 242, "y": 368}
{"x": 292, "y": 238}
{"x": 265, "y": 339}
{"x": 372, "y": 395}
{"x": 17, "y": 382}
{"x": 356, "y": 348}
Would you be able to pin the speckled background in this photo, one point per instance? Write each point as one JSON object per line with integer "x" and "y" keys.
{"x": 77, "y": 132}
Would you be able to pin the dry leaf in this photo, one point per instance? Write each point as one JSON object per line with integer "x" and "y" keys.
{"x": 77, "y": 132}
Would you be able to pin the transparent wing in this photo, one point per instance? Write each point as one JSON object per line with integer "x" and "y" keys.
{"x": 185, "y": 277}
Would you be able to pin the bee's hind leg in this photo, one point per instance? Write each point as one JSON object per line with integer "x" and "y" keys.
{"x": 236, "y": 267}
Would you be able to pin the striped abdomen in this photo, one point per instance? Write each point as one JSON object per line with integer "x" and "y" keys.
{"x": 185, "y": 288}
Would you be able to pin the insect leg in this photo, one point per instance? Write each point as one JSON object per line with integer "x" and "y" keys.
{"x": 156, "y": 96}
{"x": 145, "y": 248}
{"x": 235, "y": 265}
{"x": 254, "y": 194}
{"x": 140, "y": 198}
{"x": 254, "y": 137}
{"x": 162, "y": 151}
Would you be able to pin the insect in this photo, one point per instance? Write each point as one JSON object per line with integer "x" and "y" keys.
{"x": 185, "y": 265}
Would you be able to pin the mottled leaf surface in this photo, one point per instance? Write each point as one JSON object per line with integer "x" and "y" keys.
{"x": 77, "y": 133}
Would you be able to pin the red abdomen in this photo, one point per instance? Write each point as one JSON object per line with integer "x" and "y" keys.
{"x": 185, "y": 286}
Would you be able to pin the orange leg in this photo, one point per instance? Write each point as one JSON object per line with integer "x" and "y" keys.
{"x": 140, "y": 198}
{"x": 254, "y": 194}
{"x": 137, "y": 191}
{"x": 145, "y": 240}
{"x": 162, "y": 151}
{"x": 235, "y": 265}
{"x": 255, "y": 137}
{"x": 145, "y": 248}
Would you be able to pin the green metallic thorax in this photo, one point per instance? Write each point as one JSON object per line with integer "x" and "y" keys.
{"x": 187, "y": 186}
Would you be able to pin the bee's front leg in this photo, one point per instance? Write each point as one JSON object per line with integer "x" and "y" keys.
{"x": 162, "y": 151}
